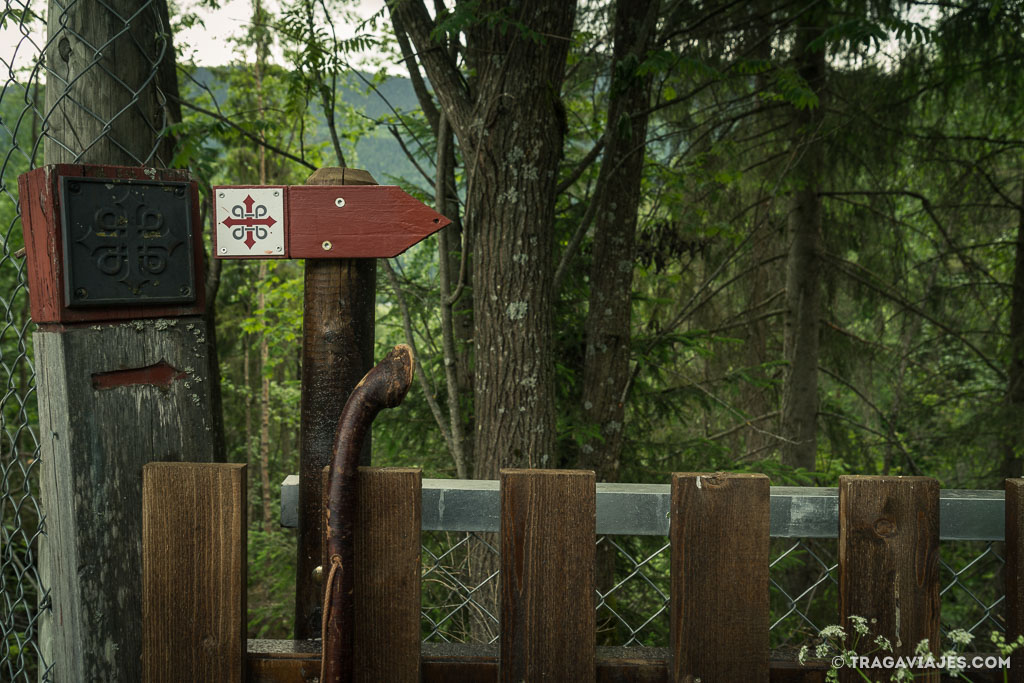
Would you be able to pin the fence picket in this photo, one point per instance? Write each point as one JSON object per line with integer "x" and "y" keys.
{"x": 193, "y": 572}
{"x": 387, "y": 576}
{"x": 719, "y": 602}
{"x": 547, "y": 575}
{"x": 889, "y": 561}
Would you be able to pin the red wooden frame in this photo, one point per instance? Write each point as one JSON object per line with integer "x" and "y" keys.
{"x": 41, "y": 214}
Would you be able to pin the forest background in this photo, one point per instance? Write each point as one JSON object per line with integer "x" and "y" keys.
{"x": 782, "y": 236}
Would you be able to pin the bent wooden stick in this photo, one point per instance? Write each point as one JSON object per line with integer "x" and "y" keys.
{"x": 383, "y": 387}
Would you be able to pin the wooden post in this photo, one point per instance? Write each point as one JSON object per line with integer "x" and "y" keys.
{"x": 889, "y": 561}
{"x": 719, "y": 531}
{"x": 341, "y": 221}
{"x": 193, "y": 573}
{"x": 548, "y": 623}
{"x": 337, "y": 350}
{"x": 1015, "y": 572}
{"x": 119, "y": 385}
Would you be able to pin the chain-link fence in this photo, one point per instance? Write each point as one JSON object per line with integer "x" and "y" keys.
{"x": 633, "y": 608}
{"x": 21, "y": 519}
{"x": 81, "y": 84}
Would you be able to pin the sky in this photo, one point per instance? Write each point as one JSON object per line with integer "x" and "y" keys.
{"x": 207, "y": 44}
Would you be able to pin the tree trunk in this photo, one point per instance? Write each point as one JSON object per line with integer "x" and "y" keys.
{"x": 606, "y": 370}
{"x": 606, "y": 363}
{"x": 765, "y": 278}
{"x": 455, "y": 363}
{"x": 268, "y": 519}
{"x": 1013, "y": 447}
{"x": 803, "y": 267}
{"x": 513, "y": 163}
{"x": 509, "y": 123}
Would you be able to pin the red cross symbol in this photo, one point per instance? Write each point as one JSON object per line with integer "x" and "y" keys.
{"x": 248, "y": 221}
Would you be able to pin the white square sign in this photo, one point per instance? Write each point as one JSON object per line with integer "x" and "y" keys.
{"x": 250, "y": 221}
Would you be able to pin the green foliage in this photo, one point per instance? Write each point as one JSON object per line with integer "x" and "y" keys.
{"x": 271, "y": 558}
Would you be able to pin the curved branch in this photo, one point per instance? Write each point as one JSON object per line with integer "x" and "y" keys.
{"x": 383, "y": 387}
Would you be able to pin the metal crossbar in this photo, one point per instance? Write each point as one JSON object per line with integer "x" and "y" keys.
{"x": 632, "y": 524}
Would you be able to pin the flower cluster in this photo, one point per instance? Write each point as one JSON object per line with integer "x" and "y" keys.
{"x": 854, "y": 648}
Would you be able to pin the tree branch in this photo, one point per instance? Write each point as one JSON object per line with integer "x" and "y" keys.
{"x": 449, "y": 86}
{"x": 428, "y": 391}
{"x": 251, "y": 136}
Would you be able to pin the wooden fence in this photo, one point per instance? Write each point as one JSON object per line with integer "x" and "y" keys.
{"x": 194, "y": 581}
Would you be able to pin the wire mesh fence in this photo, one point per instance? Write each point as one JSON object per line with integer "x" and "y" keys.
{"x": 24, "y": 593}
{"x": 633, "y": 608}
{"x": 81, "y": 84}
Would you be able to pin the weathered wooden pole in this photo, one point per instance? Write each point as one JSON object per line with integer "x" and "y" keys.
{"x": 337, "y": 350}
{"x": 115, "y": 263}
{"x": 340, "y": 222}
{"x": 106, "y": 65}
{"x": 115, "y": 271}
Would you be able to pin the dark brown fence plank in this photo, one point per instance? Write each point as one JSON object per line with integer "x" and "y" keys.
{"x": 193, "y": 572}
{"x": 387, "y": 576}
{"x": 547, "y": 575}
{"x": 1015, "y": 571}
{"x": 719, "y": 604}
{"x": 889, "y": 560}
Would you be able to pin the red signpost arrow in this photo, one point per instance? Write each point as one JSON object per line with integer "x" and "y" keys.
{"x": 341, "y": 221}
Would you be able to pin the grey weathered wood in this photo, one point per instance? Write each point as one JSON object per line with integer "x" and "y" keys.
{"x": 93, "y": 444}
{"x": 115, "y": 37}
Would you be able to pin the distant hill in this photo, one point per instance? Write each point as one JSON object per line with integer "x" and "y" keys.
{"x": 380, "y": 154}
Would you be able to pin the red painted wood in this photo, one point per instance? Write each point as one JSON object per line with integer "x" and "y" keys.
{"x": 377, "y": 221}
{"x": 40, "y": 215}
{"x": 158, "y": 375}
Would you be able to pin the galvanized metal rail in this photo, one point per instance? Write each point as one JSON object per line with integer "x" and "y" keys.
{"x": 642, "y": 510}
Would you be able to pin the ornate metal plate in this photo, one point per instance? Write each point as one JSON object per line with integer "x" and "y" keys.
{"x": 127, "y": 242}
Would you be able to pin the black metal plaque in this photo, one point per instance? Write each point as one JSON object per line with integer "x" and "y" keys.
{"x": 127, "y": 242}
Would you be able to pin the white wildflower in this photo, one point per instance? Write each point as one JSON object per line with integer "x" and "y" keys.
{"x": 860, "y": 624}
{"x": 833, "y": 631}
{"x": 883, "y": 643}
{"x": 960, "y": 637}
{"x": 922, "y": 648}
